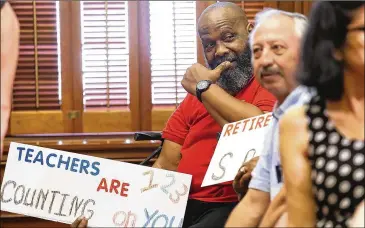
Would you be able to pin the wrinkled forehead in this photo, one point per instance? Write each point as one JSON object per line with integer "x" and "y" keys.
{"x": 217, "y": 19}
{"x": 276, "y": 27}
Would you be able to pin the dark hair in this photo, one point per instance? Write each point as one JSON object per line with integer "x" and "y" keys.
{"x": 326, "y": 32}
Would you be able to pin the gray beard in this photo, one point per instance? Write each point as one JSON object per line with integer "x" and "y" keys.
{"x": 233, "y": 80}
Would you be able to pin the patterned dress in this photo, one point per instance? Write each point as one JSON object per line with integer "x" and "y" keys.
{"x": 337, "y": 168}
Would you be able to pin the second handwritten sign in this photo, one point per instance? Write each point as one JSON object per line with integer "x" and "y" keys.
{"x": 239, "y": 142}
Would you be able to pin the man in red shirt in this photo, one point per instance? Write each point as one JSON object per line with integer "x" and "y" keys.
{"x": 227, "y": 92}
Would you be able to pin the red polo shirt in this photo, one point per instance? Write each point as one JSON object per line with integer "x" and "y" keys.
{"x": 192, "y": 127}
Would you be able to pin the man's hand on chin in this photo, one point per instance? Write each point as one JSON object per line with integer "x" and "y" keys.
{"x": 198, "y": 72}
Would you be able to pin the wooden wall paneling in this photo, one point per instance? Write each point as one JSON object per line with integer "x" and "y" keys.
{"x": 286, "y": 5}
{"x": 271, "y": 4}
{"x": 307, "y": 5}
{"x": 160, "y": 115}
{"x": 117, "y": 146}
{"x": 104, "y": 119}
{"x": 291, "y": 6}
{"x": 66, "y": 63}
{"x": 37, "y": 122}
{"x": 303, "y": 7}
{"x": 134, "y": 119}
{"x": 282, "y": 5}
{"x": 109, "y": 121}
{"x": 145, "y": 102}
{"x": 76, "y": 65}
{"x": 298, "y": 6}
{"x": 200, "y": 7}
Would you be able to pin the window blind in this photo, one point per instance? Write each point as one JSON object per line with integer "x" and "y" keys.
{"x": 173, "y": 48}
{"x": 251, "y": 8}
{"x": 37, "y": 81}
{"x": 105, "y": 53}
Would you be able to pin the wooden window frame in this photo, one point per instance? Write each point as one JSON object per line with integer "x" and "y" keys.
{"x": 140, "y": 115}
{"x": 155, "y": 118}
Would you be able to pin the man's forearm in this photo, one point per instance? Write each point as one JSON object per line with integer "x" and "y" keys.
{"x": 227, "y": 107}
{"x": 162, "y": 163}
{"x": 216, "y": 116}
{"x": 249, "y": 211}
{"x": 169, "y": 157}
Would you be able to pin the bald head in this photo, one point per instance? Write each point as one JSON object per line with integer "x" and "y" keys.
{"x": 222, "y": 29}
{"x": 228, "y": 9}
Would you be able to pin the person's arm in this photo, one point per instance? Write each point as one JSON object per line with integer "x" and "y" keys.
{"x": 174, "y": 134}
{"x": 9, "y": 60}
{"x": 222, "y": 106}
{"x": 170, "y": 156}
{"x": 243, "y": 177}
{"x": 216, "y": 116}
{"x": 294, "y": 139}
{"x": 249, "y": 210}
{"x": 229, "y": 108}
{"x": 275, "y": 211}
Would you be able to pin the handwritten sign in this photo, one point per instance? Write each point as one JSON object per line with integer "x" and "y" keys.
{"x": 239, "y": 142}
{"x": 61, "y": 186}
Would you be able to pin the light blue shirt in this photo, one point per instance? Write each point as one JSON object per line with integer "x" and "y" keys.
{"x": 267, "y": 175}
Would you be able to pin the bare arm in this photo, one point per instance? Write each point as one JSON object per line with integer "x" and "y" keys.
{"x": 229, "y": 108}
{"x": 276, "y": 209}
{"x": 216, "y": 116}
{"x": 170, "y": 156}
{"x": 221, "y": 106}
{"x": 296, "y": 168}
{"x": 249, "y": 210}
{"x": 9, "y": 60}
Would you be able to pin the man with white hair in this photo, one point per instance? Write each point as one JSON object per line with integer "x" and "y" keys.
{"x": 275, "y": 44}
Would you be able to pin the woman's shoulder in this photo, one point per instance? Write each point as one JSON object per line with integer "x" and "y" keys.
{"x": 294, "y": 118}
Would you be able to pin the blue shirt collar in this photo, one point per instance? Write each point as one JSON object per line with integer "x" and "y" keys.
{"x": 291, "y": 99}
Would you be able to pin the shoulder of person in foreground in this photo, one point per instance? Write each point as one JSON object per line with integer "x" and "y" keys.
{"x": 294, "y": 144}
{"x": 293, "y": 141}
{"x": 294, "y": 123}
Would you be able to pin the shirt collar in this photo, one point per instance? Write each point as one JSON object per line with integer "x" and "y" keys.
{"x": 291, "y": 99}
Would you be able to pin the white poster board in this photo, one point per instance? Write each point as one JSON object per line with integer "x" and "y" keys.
{"x": 239, "y": 142}
{"x": 61, "y": 186}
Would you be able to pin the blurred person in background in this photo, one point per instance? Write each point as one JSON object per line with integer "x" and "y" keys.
{"x": 322, "y": 143}
{"x": 9, "y": 60}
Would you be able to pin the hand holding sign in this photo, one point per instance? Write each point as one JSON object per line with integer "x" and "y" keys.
{"x": 240, "y": 182}
{"x": 239, "y": 143}
{"x": 80, "y": 222}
